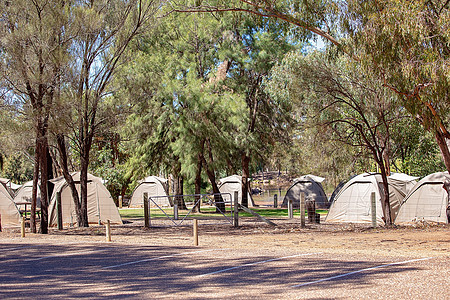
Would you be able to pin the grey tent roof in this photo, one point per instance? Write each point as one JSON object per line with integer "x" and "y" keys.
{"x": 426, "y": 201}
{"x": 100, "y": 204}
{"x": 8, "y": 210}
{"x": 229, "y": 185}
{"x": 311, "y": 186}
{"x": 155, "y": 188}
{"x": 353, "y": 205}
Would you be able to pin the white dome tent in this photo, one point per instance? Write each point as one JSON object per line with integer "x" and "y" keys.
{"x": 231, "y": 184}
{"x": 309, "y": 184}
{"x": 154, "y": 187}
{"x": 427, "y": 201}
{"x": 24, "y": 194}
{"x": 100, "y": 204}
{"x": 10, "y": 215}
{"x": 353, "y": 203}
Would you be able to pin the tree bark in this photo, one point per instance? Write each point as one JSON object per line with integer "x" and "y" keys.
{"x": 43, "y": 147}
{"x": 443, "y": 144}
{"x": 179, "y": 199}
{"x": 34, "y": 189}
{"x": 245, "y": 176}
{"x": 385, "y": 199}
{"x": 60, "y": 140}
{"x": 220, "y": 205}
{"x": 198, "y": 183}
{"x": 83, "y": 190}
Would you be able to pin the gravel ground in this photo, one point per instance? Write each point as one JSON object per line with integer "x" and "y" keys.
{"x": 340, "y": 262}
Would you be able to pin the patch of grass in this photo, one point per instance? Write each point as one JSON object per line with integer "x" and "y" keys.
{"x": 210, "y": 212}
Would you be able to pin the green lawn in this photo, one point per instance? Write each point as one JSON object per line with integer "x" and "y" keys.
{"x": 209, "y": 212}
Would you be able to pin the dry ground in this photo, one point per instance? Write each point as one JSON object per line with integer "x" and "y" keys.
{"x": 347, "y": 261}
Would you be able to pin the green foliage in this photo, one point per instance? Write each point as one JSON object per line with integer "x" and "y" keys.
{"x": 18, "y": 168}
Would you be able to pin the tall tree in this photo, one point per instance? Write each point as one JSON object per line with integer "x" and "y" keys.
{"x": 407, "y": 44}
{"x": 404, "y": 42}
{"x": 33, "y": 50}
{"x": 352, "y": 105}
{"x": 104, "y": 29}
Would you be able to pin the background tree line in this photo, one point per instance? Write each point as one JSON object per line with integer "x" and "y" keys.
{"x": 197, "y": 90}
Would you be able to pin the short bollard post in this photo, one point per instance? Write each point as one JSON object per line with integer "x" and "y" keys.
{"x": 236, "y": 209}
{"x": 275, "y": 201}
{"x": 195, "y": 232}
{"x": 175, "y": 211}
{"x": 374, "y": 210}
{"x": 302, "y": 209}
{"x": 120, "y": 202}
{"x": 146, "y": 214}
{"x": 108, "y": 230}
{"x": 290, "y": 209}
{"x": 22, "y": 227}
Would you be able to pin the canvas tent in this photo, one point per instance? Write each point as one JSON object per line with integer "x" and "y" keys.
{"x": 10, "y": 186}
{"x": 155, "y": 187}
{"x": 24, "y": 194}
{"x": 309, "y": 184}
{"x": 231, "y": 184}
{"x": 426, "y": 201}
{"x": 100, "y": 204}
{"x": 353, "y": 203}
{"x": 10, "y": 215}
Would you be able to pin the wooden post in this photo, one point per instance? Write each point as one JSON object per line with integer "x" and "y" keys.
{"x": 120, "y": 202}
{"x": 236, "y": 209}
{"x": 195, "y": 232}
{"x": 146, "y": 211}
{"x": 59, "y": 210}
{"x": 175, "y": 211}
{"x": 108, "y": 230}
{"x": 374, "y": 210}
{"x": 302, "y": 209}
{"x": 275, "y": 201}
{"x": 290, "y": 209}
{"x": 22, "y": 227}
{"x": 311, "y": 209}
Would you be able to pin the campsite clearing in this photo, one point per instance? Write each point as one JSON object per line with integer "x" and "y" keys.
{"x": 325, "y": 261}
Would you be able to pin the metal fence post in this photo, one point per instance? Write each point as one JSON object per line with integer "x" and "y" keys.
{"x": 146, "y": 211}
{"x": 374, "y": 210}
{"x": 175, "y": 211}
{"x": 236, "y": 209}
{"x": 275, "y": 201}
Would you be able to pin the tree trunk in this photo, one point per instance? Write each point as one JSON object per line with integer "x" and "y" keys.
{"x": 34, "y": 189}
{"x": 179, "y": 199}
{"x": 197, "y": 184}
{"x": 43, "y": 145}
{"x": 443, "y": 144}
{"x": 385, "y": 199}
{"x": 245, "y": 176}
{"x": 71, "y": 183}
{"x": 220, "y": 205}
{"x": 83, "y": 189}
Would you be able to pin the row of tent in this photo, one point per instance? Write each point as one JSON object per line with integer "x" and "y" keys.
{"x": 350, "y": 202}
{"x": 157, "y": 189}
{"x": 101, "y": 206}
{"x": 425, "y": 200}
